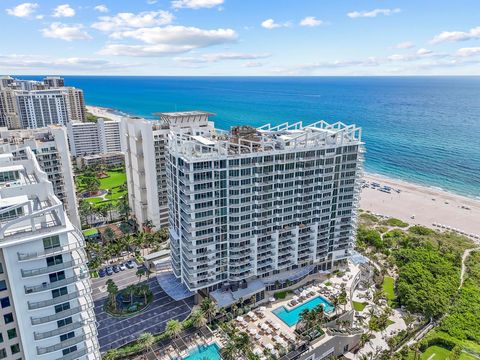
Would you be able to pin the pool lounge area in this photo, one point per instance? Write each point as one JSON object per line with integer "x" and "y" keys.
{"x": 292, "y": 317}
{"x": 210, "y": 352}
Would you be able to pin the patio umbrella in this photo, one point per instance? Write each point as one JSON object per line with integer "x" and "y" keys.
{"x": 272, "y": 299}
{"x": 262, "y": 308}
{"x": 295, "y": 298}
{"x": 252, "y": 331}
{"x": 269, "y": 346}
{"x": 240, "y": 319}
{"x": 250, "y": 314}
{"x": 276, "y": 326}
{"x": 264, "y": 326}
{"x": 258, "y": 351}
{"x": 278, "y": 339}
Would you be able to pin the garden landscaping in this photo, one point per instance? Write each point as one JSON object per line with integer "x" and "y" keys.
{"x": 129, "y": 301}
{"x": 108, "y": 187}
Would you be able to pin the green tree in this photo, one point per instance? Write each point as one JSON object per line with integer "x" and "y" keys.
{"x": 208, "y": 308}
{"x": 198, "y": 318}
{"x": 124, "y": 208}
{"x": 91, "y": 184}
{"x": 109, "y": 234}
{"x": 140, "y": 273}
{"x": 146, "y": 340}
{"x": 173, "y": 328}
{"x": 112, "y": 290}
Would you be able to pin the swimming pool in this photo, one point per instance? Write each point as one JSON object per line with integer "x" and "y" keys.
{"x": 210, "y": 352}
{"x": 292, "y": 317}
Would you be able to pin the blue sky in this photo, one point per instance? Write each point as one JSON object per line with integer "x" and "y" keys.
{"x": 240, "y": 37}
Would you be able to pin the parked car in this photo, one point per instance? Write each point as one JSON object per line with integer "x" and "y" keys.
{"x": 130, "y": 264}
{"x": 109, "y": 270}
{"x": 121, "y": 267}
{"x": 115, "y": 268}
{"x": 102, "y": 273}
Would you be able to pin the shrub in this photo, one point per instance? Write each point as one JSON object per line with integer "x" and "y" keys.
{"x": 421, "y": 230}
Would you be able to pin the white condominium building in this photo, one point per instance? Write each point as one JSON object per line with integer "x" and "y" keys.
{"x": 45, "y": 294}
{"x": 40, "y": 108}
{"x": 261, "y": 206}
{"x": 54, "y": 82}
{"x": 51, "y": 148}
{"x": 89, "y": 138}
{"x": 144, "y": 144}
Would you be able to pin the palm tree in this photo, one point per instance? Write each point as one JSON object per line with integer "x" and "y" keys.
{"x": 198, "y": 318}
{"x": 112, "y": 290}
{"x": 392, "y": 343}
{"x": 131, "y": 289}
{"x": 108, "y": 234}
{"x": 229, "y": 351}
{"x": 140, "y": 273}
{"x": 173, "y": 328}
{"x": 335, "y": 303}
{"x": 143, "y": 289}
{"x": 243, "y": 343}
{"x": 124, "y": 208}
{"x": 111, "y": 354}
{"x": 91, "y": 184}
{"x": 146, "y": 340}
{"x": 409, "y": 320}
{"x": 208, "y": 308}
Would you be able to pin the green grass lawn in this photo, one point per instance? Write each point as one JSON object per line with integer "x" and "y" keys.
{"x": 90, "y": 232}
{"x": 359, "y": 306}
{"x": 439, "y": 353}
{"x": 388, "y": 288}
{"x": 465, "y": 356}
{"x": 112, "y": 183}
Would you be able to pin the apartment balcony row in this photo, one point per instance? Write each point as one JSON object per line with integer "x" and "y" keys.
{"x": 79, "y": 353}
{"x": 56, "y": 284}
{"x": 61, "y": 330}
{"x": 84, "y": 336}
{"x": 237, "y": 255}
{"x": 34, "y": 305}
{"x": 237, "y": 270}
{"x": 53, "y": 268}
{"x": 88, "y": 308}
{"x": 69, "y": 247}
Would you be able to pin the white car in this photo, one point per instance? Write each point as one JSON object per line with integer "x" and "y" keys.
{"x": 121, "y": 267}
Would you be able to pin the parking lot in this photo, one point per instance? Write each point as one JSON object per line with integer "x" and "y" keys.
{"x": 117, "y": 331}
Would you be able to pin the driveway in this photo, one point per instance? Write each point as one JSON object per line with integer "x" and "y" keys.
{"x": 114, "y": 332}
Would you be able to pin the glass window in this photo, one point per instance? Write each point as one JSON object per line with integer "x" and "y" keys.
{"x": 54, "y": 260}
{"x": 67, "y": 336}
{"x": 3, "y": 354}
{"x": 59, "y": 292}
{"x": 12, "y": 333}
{"x": 51, "y": 242}
{"x": 3, "y": 285}
{"x": 8, "y": 318}
{"x": 62, "y": 307}
{"x": 57, "y": 276}
{"x": 1, "y": 268}
{"x": 5, "y": 302}
{"x": 1, "y": 338}
{"x": 64, "y": 322}
{"x": 69, "y": 350}
{"x": 15, "y": 348}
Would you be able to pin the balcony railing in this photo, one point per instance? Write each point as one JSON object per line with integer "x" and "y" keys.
{"x": 33, "y": 305}
{"x": 53, "y": 268}
{"x": 50, "y": 252}
{"x": 55, "y": 284}
{"x": 61, "y": 314}
{"x": 62, "y": 345}
{"x": 60, "y": 330}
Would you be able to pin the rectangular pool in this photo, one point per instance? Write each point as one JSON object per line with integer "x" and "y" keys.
{"x": 292, "y": 317}
{"x": 210, "y": 352}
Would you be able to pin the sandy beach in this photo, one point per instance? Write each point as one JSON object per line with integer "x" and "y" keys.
{"x": 427, "y": 205}
{"x": 103, "y": 112}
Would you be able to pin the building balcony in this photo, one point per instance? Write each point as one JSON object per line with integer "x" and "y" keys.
{"x": 78, "y": 354}
{"x": 63, "y": 314}
{"x": 34, "y": 305}
{"x": 53, "y": 268}
{"x": 64, "y": 344}
{"x": 61, "y": 330}
{"x": 72, "y": 246}
{"x": 56, "y": 284}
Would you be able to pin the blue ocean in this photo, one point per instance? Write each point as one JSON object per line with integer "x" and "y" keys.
{"x": 420, "y": 129}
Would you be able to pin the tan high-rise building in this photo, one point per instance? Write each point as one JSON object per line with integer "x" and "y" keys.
{"x": 75, "y": 104}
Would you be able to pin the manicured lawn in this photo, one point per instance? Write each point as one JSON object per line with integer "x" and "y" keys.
{"x": 112, "y": 183}
{"x": 90, "y": 232}
{"x": 465, "y": 356}
{"x": 439, "y": 353}
{"x": 388, "y": 288}
{"x": 359, "y": 306}
{"x": 280, "y": 295}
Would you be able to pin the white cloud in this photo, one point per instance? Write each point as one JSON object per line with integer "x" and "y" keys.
{"x": 167, "y": 40}
{"x": 445, "y": 36}
{"x": 73, "y": 63}
{"x": 372, "y": 13}
{"x": 195, "y": 4}
{"x": 64, "y": 10}
{"x": 65, "y": 32}
{"x": 252, "y": 64}
{"x": 151, "y": 2}
{"x": 470, "y": 51}
{"x": 311, "y": 21}
{"x": 424, "y": 51}
{"x": 271, "y": 24}
{"x": 405, "y": 45}
{"x": 130, "y": 20}
{"x": 23, "y": 10}
{"x": 215, "y": 57}
{"x": 101, "y": 8}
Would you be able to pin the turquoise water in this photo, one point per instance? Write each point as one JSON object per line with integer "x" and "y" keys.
{"x": 420, "y": 129}
{"x": 292, "y": 317}
{"x": 210, "y": 352}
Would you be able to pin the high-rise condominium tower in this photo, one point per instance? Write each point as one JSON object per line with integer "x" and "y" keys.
{"x": 46, "y": 304}
{"x": 144, "y": 143}
{"x": 261, "y": 206}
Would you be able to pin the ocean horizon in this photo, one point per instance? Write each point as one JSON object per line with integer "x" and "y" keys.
{"x": 420, "y": 129}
